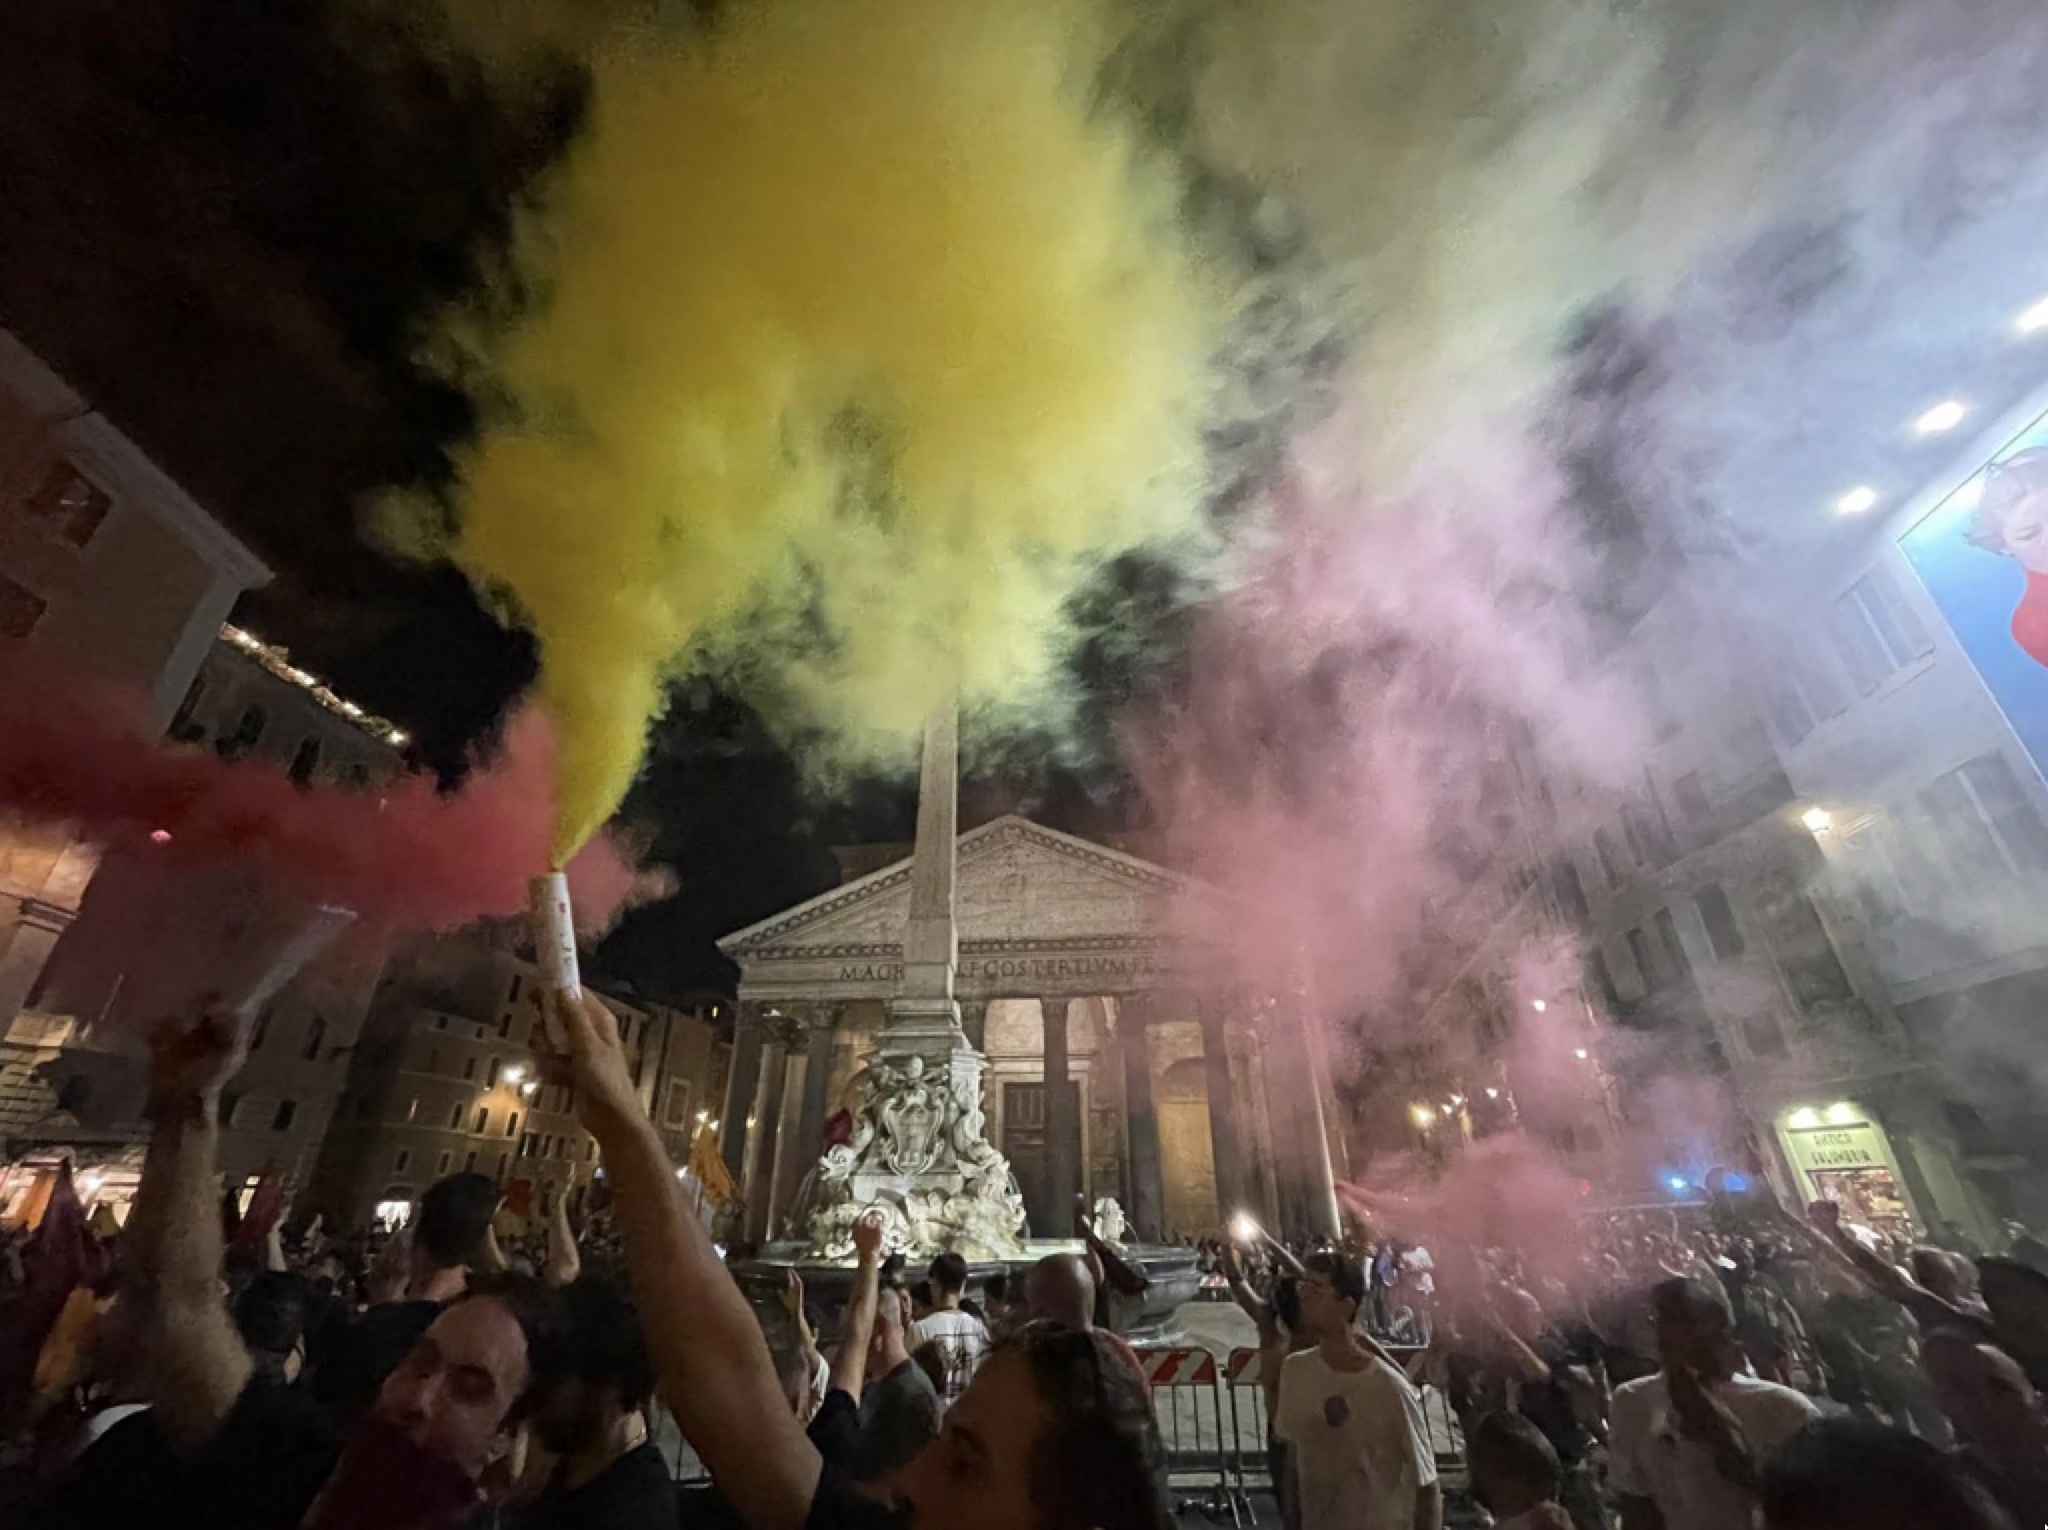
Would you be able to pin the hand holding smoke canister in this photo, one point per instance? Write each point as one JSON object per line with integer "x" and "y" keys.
{"x": 554, "y": 937}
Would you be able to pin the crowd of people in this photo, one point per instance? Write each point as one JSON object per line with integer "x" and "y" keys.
{"x": 1721, "y": 1368}
{"x": 1724, "y": 1365}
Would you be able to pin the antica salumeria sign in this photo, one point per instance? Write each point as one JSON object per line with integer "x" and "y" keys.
{"x": 1838, "y": 1147}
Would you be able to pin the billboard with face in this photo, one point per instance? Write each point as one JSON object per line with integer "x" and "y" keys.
{"x": 1983, "y": 555}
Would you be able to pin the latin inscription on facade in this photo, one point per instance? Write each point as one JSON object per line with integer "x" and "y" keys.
{"x": 871, "y": 972}
{"x": 1000, "y": 967}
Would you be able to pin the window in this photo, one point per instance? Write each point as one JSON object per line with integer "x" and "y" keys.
{"x": 1723, "y": 934}
{"x": 469, "y": 1162}
{"x": 440, "y": 1022}
{"x": 1674, "y": 947}
{"x": 261, "y": 1030}
{"x": 1609, "y": 856}
{"x": 526, "y": 1146}
{"x": 1645, "y": 833}
{"x": 402, "y": 1161}
{"x": 1877, "y": 633}
{"x": 1603, "y": 977}
{"x": 316, "y": 1033}
{"x": 505, "y": 1028}
{"x": 433, "y": 1059}
{"x": 455, "y": 1114}
{"x": 305, "y": 761}
{"x": 441, "y": 1164}
{"x": 512, "y": 993}
{"x": 248, "y": 733}
{"x": 185, "y": 728}
{"x": 468, "y": 1068}
{"x": 1571, "y": 892}
{"x": 504, "y": 1160}
{"x": 286, "y": 1111}
{"x": 20, "y": 608}
{"x": 483, "y": 1117}
{"x": 491, "y": 1074}
{"x": 1646, "y": 969}
{"x": 1879, "y": 861}
{"x": 1761, "y": 1034}
{"x": 1806, "y": 954}
{"x": 68, "y": 505}
{"x": 589, "y": 1149}
{"x": 1803, "y": 696}
{"x": 676, "y": 1113}
{"x": 512, "y": 1124}
{"x": 1985, "y": 824}
{"x": 1691, "y": 798}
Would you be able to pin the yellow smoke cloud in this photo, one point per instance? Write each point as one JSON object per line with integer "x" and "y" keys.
{"x": 866, "y": 328}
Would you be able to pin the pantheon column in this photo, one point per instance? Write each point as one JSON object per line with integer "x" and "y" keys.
{"x": 1062, "y": 1123}
{"x": 1223, "y": 1137}
{"x": 821, "y": 1030}
{"x": 766, "y": 1113}
{"x": 1146, "y": 1185}
{"x": 740, "y": 1085}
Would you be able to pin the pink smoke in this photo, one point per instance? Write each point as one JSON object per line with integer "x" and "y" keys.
{"x": 1502, "y": 1193}
{"x": 404, "y": 857}
{"x": 1355, "y": 770}
{"x": 1359, "y": 717}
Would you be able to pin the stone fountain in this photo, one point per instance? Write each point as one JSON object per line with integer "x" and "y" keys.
{"x": 919, "y": 1156}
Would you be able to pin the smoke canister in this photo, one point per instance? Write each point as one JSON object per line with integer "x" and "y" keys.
{"x": 554, "y": 937}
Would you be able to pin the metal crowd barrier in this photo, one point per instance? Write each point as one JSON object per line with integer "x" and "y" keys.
{"x": 1244, "y": 1380}
{"x": 1181, "y": 1379}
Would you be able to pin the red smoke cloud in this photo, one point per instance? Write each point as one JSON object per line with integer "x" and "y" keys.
{"x": 74, "y": 751}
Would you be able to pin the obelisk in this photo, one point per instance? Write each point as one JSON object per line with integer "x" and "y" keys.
{"x": 920, "y": 1155}
{"x": 924, "y": 1010}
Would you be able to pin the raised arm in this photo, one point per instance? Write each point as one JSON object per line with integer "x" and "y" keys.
{"x": 564, "y": 1263}
{"x": 716, "y": 1372}
{"x": 1249, "y": 1302}
{"x": 857, "y": 1325}
{"x": 195, "y": 1364}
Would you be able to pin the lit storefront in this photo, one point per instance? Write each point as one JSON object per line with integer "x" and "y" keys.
{"x": 1839, "y": 1152}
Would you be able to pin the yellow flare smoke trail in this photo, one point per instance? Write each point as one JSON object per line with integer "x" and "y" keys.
{"x": 865, "y": 327}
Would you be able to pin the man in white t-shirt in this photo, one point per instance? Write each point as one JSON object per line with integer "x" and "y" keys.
{"x": 1358, "y": 1451}
{"x": 960, "y": 1338}
{"x": 1685, "y": 1444}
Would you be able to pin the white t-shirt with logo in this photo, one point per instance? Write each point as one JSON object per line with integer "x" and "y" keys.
{"x": 1357, "y": 1445}
{"x": 962, "y": 1340}
{"x": 1647, "y": 1458}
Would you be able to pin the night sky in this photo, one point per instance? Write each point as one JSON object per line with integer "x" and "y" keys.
{"x": 230, "y": 235}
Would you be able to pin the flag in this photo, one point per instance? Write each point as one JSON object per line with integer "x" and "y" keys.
{"x": 709, "y": 1167}
{"x": 53, "y": 1262}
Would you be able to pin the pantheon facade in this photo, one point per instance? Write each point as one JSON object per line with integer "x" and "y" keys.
{"x": 1113, "y": 1070}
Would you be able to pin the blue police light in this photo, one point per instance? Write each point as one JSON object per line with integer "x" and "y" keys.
{"x": 1735, "y": 1184}
{"x": 1677, "y": 1184}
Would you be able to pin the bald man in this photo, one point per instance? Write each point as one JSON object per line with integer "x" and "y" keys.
{"x": 1060, "y": 1290}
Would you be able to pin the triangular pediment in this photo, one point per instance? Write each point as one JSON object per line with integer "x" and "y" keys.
{"x": 1016, "y": 881}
